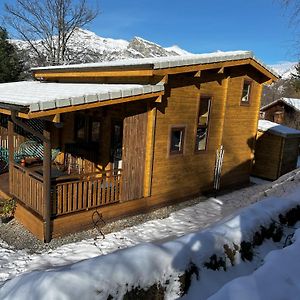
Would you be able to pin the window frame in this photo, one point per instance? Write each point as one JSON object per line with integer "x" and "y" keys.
{"x": 183, "y": 140}
{"x": 250, "y": 83}
{"x": 210, "y": 97}
{"x": 88, "y": 121}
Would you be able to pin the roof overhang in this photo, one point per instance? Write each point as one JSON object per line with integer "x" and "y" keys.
{"x": 26, "y": 98}
{"x": 155, "y": 66}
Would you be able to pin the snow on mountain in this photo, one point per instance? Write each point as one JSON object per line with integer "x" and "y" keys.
{"x": 285, "y": 69}
{"x": 86, "y": 46}
{"x": 178, "y": 50}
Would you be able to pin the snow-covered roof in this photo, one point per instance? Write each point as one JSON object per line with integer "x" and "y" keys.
{"x": 165, "y": 62}
{"x": 37, "y": 96}
{"x": 292, "y": 102}
{"x": 277, "y": 129}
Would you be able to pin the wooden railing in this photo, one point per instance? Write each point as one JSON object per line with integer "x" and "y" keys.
{"x": 76, "y": 193}
{"x": 70, "y": 193}
{"x": 27, "y": 187}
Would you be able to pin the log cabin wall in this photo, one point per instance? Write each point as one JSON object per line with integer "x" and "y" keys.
{"x": 189, "y": 172}
{"x": 230, "y": 123}
{"x": 240, "y": 125}
{"x": 270, "y": 114}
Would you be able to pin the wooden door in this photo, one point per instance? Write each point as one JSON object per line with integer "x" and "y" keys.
{"x": 133, "y": 156}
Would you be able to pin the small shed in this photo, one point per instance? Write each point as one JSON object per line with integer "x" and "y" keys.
{"x": 276, "y": 150}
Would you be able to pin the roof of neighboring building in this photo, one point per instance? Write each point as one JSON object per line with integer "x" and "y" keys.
{"x": 277, "y": 129}
{"x": 38, "y": 96}
{"x": 163, "y": 62}
{"x": 291, "y": 102}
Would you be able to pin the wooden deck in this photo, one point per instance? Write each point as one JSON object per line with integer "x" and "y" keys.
{"x": 69, "y": 193}
{"x": 4, "y": 186}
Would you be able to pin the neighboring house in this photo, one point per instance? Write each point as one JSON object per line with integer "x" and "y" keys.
{"x": 276, "y": 150}
{"x": 133, "y": 135}
{"x": 285, "y": 111}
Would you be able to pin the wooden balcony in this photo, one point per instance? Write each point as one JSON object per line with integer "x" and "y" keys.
{"x": 69, "y": 193}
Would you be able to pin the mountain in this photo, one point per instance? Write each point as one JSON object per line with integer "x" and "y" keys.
{"x": 86, "y": 46}
{"x": 285, "y": 69}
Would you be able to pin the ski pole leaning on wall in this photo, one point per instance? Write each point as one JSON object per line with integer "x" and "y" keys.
{"x": 218, "y": 167}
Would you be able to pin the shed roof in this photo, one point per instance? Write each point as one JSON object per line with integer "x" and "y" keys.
{"x": 291, "y": 102}
{"x": 37, "y": 96}
{"x": 156, "y": 63}
{"x": 277, "y": 129}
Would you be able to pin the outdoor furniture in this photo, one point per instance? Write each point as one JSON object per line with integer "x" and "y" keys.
{"x": 31, "y": 150}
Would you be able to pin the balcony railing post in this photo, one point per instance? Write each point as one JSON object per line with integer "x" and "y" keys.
{"x": 10, "y": 151}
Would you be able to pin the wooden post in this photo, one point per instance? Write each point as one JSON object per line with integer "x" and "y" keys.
{"x": 47, "y": 184}
{"x": 151, "y": 123}
{"x": 10, "y": 152}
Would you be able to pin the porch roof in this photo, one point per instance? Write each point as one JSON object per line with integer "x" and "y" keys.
{"x": 35, "y": 96}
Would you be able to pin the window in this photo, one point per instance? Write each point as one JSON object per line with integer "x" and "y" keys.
{"x": 202, "y": 123}
{"x": 177, "y": 140}
{"x": 245, "y": 99}
{"x": 86, "y": 129}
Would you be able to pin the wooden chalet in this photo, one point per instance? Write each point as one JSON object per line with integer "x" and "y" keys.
{"x": 119, "y": 138}
{"x": 276, "y": 150}
{"x": 285, "y": 111}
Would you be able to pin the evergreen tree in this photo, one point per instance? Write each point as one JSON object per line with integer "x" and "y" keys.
{"x": 10, "y": 65}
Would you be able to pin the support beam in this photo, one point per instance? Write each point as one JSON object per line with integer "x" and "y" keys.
{"x": 10, "y": 151}
{"x": 25, "y": 126}
{"x": 151, "y": 125}
{"x": 47, "y": 184}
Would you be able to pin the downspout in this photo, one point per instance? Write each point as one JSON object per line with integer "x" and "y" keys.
{"x": 46, "y": 171}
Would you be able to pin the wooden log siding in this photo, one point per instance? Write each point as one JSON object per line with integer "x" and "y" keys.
{"x": 86, "y": 193}
{"x": 27, "y": 187}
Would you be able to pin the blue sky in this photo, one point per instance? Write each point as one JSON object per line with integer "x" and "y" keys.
{"x": 201, "y": 25}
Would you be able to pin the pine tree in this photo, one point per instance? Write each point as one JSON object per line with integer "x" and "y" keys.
{"x": 10, "y": 65}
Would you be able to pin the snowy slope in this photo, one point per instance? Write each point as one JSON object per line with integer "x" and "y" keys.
{"x": 86, "y": 46}
{"x": 285, "y": 69}
{"x": 150, "y": 263}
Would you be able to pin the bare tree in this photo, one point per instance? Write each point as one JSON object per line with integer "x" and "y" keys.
{"x": 48, "y": 25}
{"x": 292, "y": 10}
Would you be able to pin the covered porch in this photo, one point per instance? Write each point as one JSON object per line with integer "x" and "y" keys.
{"x": 101, "y": 161}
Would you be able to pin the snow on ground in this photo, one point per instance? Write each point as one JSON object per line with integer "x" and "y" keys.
{"x": 147, "y": 263}
{"x": 277, "y": 278}
{"x": 179, "y": 223}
